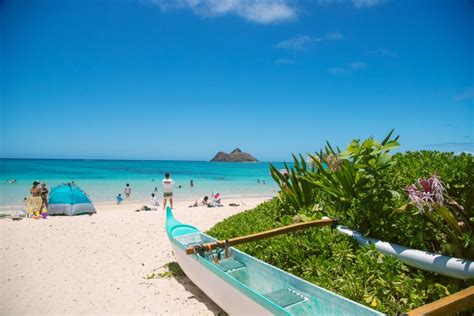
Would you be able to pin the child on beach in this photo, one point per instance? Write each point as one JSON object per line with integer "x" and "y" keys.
{"x": 24, "y": 211}
{"x": 127, "y": 191}
{"x": 154, "y": 200}
{"x": 44, "y": 194}
{"x": 119, "y": 198}
{"x": 168, "y": 190}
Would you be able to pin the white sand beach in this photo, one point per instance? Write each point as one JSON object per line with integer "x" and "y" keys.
{"x": 97, "y": 264}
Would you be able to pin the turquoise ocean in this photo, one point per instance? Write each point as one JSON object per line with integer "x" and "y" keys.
{"x": 104, "y": 179}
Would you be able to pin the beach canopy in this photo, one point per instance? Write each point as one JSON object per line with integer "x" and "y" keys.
{"x": 69, "y": 199}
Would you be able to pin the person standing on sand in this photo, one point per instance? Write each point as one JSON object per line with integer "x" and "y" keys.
{"x": 35, "y": 190}
{"x": 36, "y": 201}
{"x": 167, "y": 190}
{"x": 127, "y": 191}
{"x": 44, "y": 194}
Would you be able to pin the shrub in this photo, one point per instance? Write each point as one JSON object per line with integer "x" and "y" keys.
{"x": 335, "y": 262}
{"x": 363, "y": 185}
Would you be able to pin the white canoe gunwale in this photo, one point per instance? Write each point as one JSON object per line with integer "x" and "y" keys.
{"x": 195, "y": 266}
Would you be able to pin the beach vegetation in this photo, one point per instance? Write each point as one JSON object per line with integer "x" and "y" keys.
{"x": 170, "y": 270}
{"x": 422, "y": 200}
{"x": 336, "y": 262}
{"x": 374, "y": 192}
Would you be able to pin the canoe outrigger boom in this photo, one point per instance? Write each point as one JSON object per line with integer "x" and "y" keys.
{"x": 262, "y": 235}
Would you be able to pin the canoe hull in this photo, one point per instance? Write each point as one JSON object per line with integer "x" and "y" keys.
{"x": 230, "y": 299}
{"x": 244, "y": 285}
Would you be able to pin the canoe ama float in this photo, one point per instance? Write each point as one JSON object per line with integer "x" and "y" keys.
{"x": 244, "y": 285}
{"x": 449, "y": 266}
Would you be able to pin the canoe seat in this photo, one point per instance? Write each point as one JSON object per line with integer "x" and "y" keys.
{"x": 192, "y": 244}
{"x": 230, "y": 264}
{"x": 285, "y": 297}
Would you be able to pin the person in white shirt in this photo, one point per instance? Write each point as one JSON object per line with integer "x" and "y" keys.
{"x": 168, "y": 190}
{"x": 127, "y": 191}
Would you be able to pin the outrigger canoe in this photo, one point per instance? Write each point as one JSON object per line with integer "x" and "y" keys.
{"x": 243, "y": 285}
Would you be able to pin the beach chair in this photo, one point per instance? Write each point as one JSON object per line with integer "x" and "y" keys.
{"x": 33, "y": 205}
{"x": 216, "y": 199}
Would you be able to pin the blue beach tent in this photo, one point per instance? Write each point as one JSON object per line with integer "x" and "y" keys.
{"x": 69, "y": 199}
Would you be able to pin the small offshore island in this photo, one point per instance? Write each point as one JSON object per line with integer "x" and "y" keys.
{"x": 235, "y": 156}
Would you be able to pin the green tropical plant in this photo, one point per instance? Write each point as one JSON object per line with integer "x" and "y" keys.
{"x": 354, "y": 179}
{"x": 362, "y": 186}
{"x": 294, "y": 193}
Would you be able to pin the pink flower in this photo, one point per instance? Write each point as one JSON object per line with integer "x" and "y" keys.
{"x": 426, "y": 193}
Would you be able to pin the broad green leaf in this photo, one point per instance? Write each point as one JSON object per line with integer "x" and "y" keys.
{"x": 394, "y": 194}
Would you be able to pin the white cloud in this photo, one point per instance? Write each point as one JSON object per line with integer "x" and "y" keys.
{"x": 465, "y": 95}
{"x": 338, "y": 71}
{"x": 384, "y": 52}
{"x": 284, "y": 61}
{"x": 257, "y": 11}
{"x": 300, "y": 42}
{"x": 333, "y": 36}
{"x": 349, "y": 68}
{"x": 297, "y": 42}
{"x": 366, "y": 3}
{"x": 356, "y": 3}
{"x": 357, "y": 65}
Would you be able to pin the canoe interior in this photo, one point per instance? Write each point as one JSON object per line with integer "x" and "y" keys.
{"x": 276, "y": 290}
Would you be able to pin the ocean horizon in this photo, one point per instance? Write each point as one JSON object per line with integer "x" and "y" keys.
{"x": 103, "y": 179}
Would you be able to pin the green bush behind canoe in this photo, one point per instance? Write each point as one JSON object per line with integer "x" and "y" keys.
{"x": 335, "y": 261}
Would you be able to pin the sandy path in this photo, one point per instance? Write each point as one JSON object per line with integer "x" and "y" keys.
{"x": 96, "y": 264}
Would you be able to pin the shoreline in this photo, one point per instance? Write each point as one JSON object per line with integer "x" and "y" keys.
{"x": 97, "y": 264}
{"x": 13, "y": 208}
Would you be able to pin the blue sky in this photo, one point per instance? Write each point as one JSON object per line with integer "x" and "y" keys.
{"x": 184, "y": 79}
